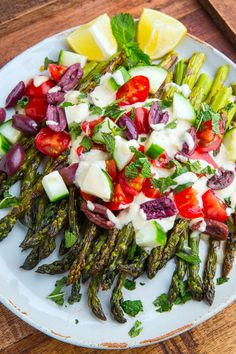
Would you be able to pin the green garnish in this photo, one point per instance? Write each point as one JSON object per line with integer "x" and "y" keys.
{"x": 66, "y": 104}
{"x": 113, "y": 110}
{"x": 23, "y": 102}
{"x": 136, "y": 329}
{"x": 95, "y": 110}
{"x": 206, "y": 114}
{"x": 70, "y": 239}
{"x": 163, "y": 183}
{"x": 208, "y": 170}
{"x": 162, "y": 303}
{"x": 48, "y": 61}
{"x": 221, "y": 280}
{"x": 184, "y": 294}
{"x": 164, "y": 104}
{"x": 109, "y": 141}
{"x": 182, "y": 187}
{"x": 8, "y": 201}
{"x": 75, "y": 130}
{"x": 57, "y": 295}
{"x": 171, "y": 125}
{"x": 140, "y": 163}
{"x": 132, "y": 307}
{"x": 129, "y": 284}
{"x": 87, "y": 143}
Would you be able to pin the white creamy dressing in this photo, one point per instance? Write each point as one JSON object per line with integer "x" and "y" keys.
{"x": 184, "y": 89}
{"x": 188, "y": 177}
{"x": 39, "y": 80}
{"x": 188, "y": 139}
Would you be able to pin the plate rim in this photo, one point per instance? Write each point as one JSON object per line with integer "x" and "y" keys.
{"x": 109, "y": 345}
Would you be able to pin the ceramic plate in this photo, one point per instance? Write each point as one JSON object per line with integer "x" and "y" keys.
{"x": 24, "y": 292}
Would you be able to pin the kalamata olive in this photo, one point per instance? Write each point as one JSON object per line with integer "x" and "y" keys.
{"x": 16, "y": 94}
{"x": 130, "y": 129}
{"x": 55, "y": 97}
{"x": 68, "y": 173}
{"x": 162, "y": 207}
{"x": 55, "y": 118}
{"x": 98, "y": 216}
{"x": 12, "y": 161}
{"x": 190, "y": 142}
{"x": 222, "y": 179}
{"x": 217, "y": 230}
{"x": 156, "y": 116}
{"x": 71, "y": 77}
{"x": 2, "y": 115}
{"x": 25, "y": 124}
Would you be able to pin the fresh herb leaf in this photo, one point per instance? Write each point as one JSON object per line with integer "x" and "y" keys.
{"x": 75, "y": 130}
{"x": 76, "y": 321}
{"x": 131, "y": 171}
{"x": 136, "y": 329}
{"x": 138, "y": 154}
{"x": 146, "y": 169}
{"x": 132, "y": 113}
{"x": 208, "y": 170}
{"x": 109, "y": 141}
{"x": 87, "y": 143}
{"x": 48, "y": 61}
{"x": 182, "y": 187}
{"x": 113, "y": 110}
{"x": 57, "y": 295}
{"x": 205, "y": 114}
{"x": 132, "y": 307}
{"x": 193, "y": 166}
{"x": 129, "y": 284}
{"x": 8, "y": 201}
{"x": 228, "y": 202}
{"x": 222, "y": 280}
{"x": 140, "y": 162}
{"x": 164, "y": 104}
{"x": 95, "y": 110}
{"x": 184, "y": 294}
{"x": 97, "y": 78}
{"x": 23, "y": 102}
{"x": 66, "y": 104}
{"x": 82, "y": 96}
{"x": 70, "y": 239}
{"x": 143, "y": 138}
{"x": 163, "y": 183}
{"x": 187, "y": 255}
{"x": 162, "y": 303}
{"x": 171, "y": 125}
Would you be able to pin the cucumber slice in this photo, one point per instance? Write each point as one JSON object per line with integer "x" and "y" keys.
{"x": 69, "y": 58}
{"x": 103, "y": 94}
{"x": 4, "y": 145}
{"x": 77, "y": 113}
{"x": 151, "y": 235}
{"x": 183, "y": 109}
{"x": 229, "y": 142}
{"x": 155, "y": 74}
{"x": 9, "y": 132}
{"x": 54, "y": 186}
{"x": 112, "y": 85}
{"x": 152, "y": 149}
{"x": 97, "y": 182}
{"x": 121, "y": 76}
{"x": 122, "y": 154}
{"x": 104, "y": 127}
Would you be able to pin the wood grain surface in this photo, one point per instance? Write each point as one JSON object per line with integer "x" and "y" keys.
{"x": 26, "y": 22}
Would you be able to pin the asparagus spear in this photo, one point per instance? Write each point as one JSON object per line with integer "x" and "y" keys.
{"x": 172, "y": 242}
{"x": 180, "y": 271}
{"x": 169, "y": 60}
{"x": 194, "y": 280}
{"x": 169, "y": 92}
{"x": 137, "y": 267}
{"x": 210, "y": 271}
{"x": 200, "y": 90}
{"x": 75, "y": 295}
{"x": 228, "y": 113}
{"x": 93, "y": 300}
{"x": 153, "y": 261}
{"x": 161, "y": 90}
{"x": 30, "y": 173}
{"x": 218, "y": 82}
{"x": 230, "y": 252}
{"x": 59, "y": 266}
{"x": 194, "y": 65}
{"x": 179, "y": 71}
{"x": 221, "y": 98}
{"x": 233, "y": 85}
{"x": 116, "y": 300}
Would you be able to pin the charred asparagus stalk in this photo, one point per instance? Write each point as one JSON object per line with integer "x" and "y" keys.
{"x": 154, "y": 260}
{"x": 194, "y": 65}
{"x": 209, "y": 272}
{"x": 137, "y": 267}
{"x": 116, "y": 300}
{"x": 230, "y": 252}
{"x": 179, "y": 71}
{"x": 194, "y": 279}
{"x": 169, "y": 60}
{"x": 93, "y": 300}
{"x": 218, "y": 82}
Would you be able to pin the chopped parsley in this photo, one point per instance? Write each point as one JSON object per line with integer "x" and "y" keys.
{"x": 87, "y": 143}
{"x": 163, "y": 183}
{"x": 136, "y": 329}
{"x": 164, "y": 104}
{"x": 8, "y": 201}
{"x": 113, "y": 110}
{"x": 140, "y": 165}
{"x": 208, "y": 170}
{"x": 171, "y": 125}
{"x": 95, "y": 110}
{"x": 129, "y": 284}
{"x": 76, "y": 321}
{"x": 70, "y": 239}
{"x": 206, "y": 114}
{"x": 57, "y": 295}
{"x": 132, "y": 307}
{"x": 23, "y": 102}
{"x": 75, "y": 130}
{"x": 142, "y": 284}
{"x": 162, "y": 303}
{"x": 109, "y": 141}
{"x": 143, "y": 138}
{"x": 222, "y": 280}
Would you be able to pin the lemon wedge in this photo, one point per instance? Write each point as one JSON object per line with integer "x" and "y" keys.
{"x": 158, "y": 33}
{"x": 94, "y": 39}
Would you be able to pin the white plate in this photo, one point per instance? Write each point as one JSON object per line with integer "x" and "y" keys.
{"x": 24, "y": 292}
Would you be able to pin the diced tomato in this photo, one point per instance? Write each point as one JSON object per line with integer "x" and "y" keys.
{"x": 187, "y": 204}
{"x": 130, "y": 186}
{"x": 80, "y": 150}
{"x": 149, "y": 191}
{"x": 141, "y": 120}
{"x": 120, "y": 199}
{"x": 36, "y": 108}
{"x": 134, "y": 90}
{"x": 141, "y": 148}
{"x": 56, "y": 71}
{"x": 198, "y": 155}
{"x": 39, "y": 91}
{"x": 87, "y": 127}
{"x": 52, "y": 143}
{"x": 111, "y": 169}
{"x": 208, "y": 139}
{"x": 162, "y": 160}
{"x": 213, "y": 207}
{"x": 87, "y": 196}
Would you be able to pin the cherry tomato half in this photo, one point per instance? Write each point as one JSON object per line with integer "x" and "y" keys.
{"x": 141, "y": 120}
{"x": 213, "y": 207}
{"x": 149, "y": 191}
{"x": 80, "y": 150}
{"x": 199, "y": 155}
{"x": 187, "y": 204}
{"x": 162, "y": 160}
{"x": 208, "y": 139}
{"x": 87, "y": 127}
{"x": 120, "y": 199}
{"x": 56, "y": 71}
{"x": 111, "y": 169}
{"x": 36, "y": 108}
{"x": 130, "y": 186}
{"x": 39, "y": 91}
{"x": 87, "y": 196}
{"x": 52, "y": 143}
{"x": 134, "y": 90}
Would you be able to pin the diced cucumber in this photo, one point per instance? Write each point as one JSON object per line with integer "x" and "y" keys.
{"x": 229, "y": 142}
{"x": 69, "y": 58}
{"x": 104, "y": 127}
{"x": 121, "y": 76}
{"x": 4, "y": 145}
{"x": 122, "y": 154}
{"x": 97, "y": 182}
{"x": 103, "y": 94}
{"x": 155, "y": 74}
{"x": 152, "y": 149}
{"x": 77, "y": 113}
{"x": 112, "y": 84}
{"x": 54, "y": 186}
{"x": 183, "y": 109}
{"x": 151, "y": 235}
{"x": 9, "y": 132}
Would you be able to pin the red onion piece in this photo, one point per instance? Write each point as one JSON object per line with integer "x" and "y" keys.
{"x": 68, "y": 173}
{"x": 55, "y": 97}
{"x": 98, "y": 216}
{"x": 16, "y": 94}
{"x": 162, "y": 207}
{"x": 2, "y": 115}
{"x": 71, "y": 77}
{"x": 13, "y": 160}
{"x": 130, "y": 131}
{"x": 25, "y": 124}
{"x": 55, "y": 118}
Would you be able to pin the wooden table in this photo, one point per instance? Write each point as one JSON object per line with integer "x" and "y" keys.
{"x": 26, "y": 22}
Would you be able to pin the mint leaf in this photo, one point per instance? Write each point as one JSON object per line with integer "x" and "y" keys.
{"x": 75, "y": 130}
{"x": 162, "y": 303}
{"x": 164, "y": 104}
{"x": 113, "y": 110}
{"x": 182, "y": 187}
{"x": 205, "y": 114}
{"x": 222, "y": 280}
{"x": 208, "y": 170}
{"x": 66, "y": 104}
{"x": 131, "y": 171}
{"x": 129, "y": 284}
{"x": 109, "y": 141}
{"x": 57, "y": 295}
{"x": 87, "y": 143}
{"x": 70, "y": 239}
{"x": 136, "y": 329}
{"x": 171, "y": 125}
{"x": 163, "y": 183}
{"x": 146, "y": 169}
{"x": 8, "y": 201}
{"x": 95, "y": 110}
{"x": 132, "y": 307}
{"x": 23, "y": 102}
